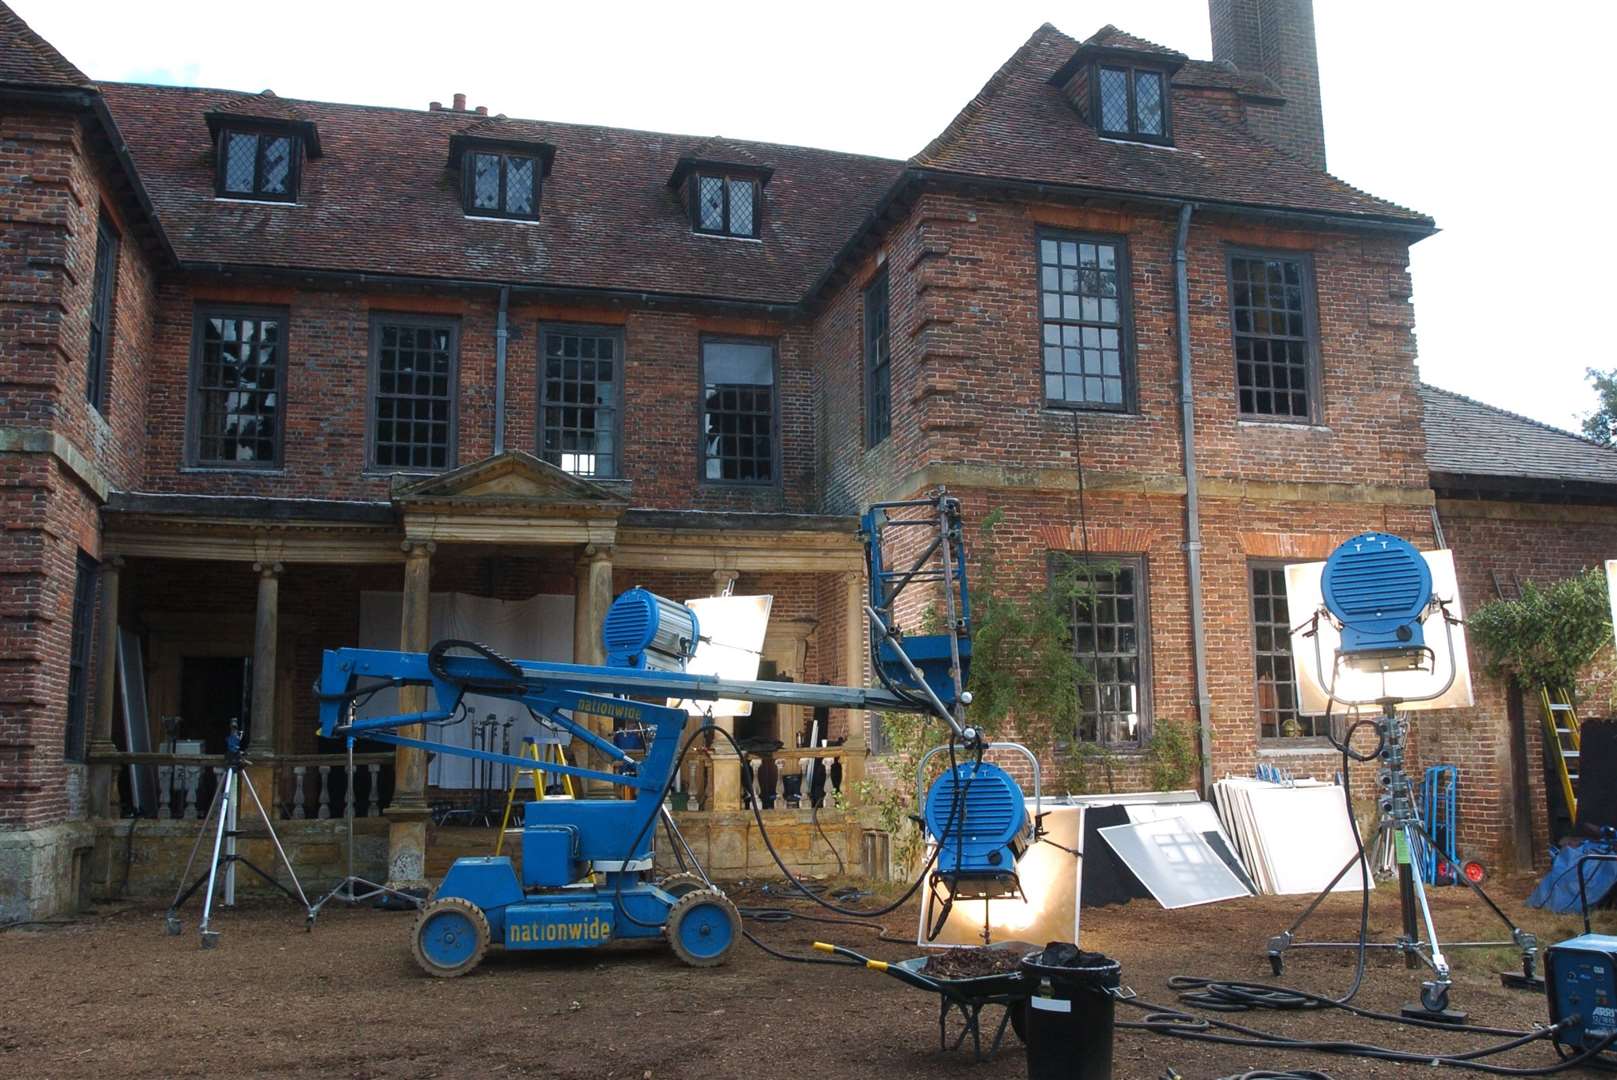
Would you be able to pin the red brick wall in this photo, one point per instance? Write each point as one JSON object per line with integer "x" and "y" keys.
{"x": 327, "y": 386}
{"x": 51, "y": 191}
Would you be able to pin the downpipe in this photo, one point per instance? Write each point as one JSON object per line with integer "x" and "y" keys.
{"x": 501, "y": 335}
{"x": 1193, "y": 521}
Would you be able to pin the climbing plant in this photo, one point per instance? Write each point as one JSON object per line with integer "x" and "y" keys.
{"x": 1170, "y": 756}
{"x": 1548, "y": 635}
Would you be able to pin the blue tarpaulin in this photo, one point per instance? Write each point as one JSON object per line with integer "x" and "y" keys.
{"x": 1559, "y": 889}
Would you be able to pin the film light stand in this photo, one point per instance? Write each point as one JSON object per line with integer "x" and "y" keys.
{"x": 1399, "y": 824}
{"x": 354, "y": 889}
{"x": 225, "y": 834}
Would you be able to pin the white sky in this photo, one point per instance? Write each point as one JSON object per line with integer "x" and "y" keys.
{"x": 1491, "y": 117}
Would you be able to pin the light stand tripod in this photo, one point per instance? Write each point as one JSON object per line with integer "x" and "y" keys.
{"x": 348, "y": 889}
{"x": 1400, "y": 822}
{"x": 225, "y": 855}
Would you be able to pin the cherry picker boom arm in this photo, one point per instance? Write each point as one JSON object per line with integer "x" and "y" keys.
{"x": 553, "y": 692}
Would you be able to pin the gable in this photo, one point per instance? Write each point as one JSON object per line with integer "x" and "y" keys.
{"x": 511, "y": 478}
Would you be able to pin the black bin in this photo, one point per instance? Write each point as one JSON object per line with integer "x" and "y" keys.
{"x": 1069, "y": 1017}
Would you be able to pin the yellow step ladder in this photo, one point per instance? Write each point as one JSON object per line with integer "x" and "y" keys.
{"x": 1564, "y": 739}
{"x": 531, "y": 749}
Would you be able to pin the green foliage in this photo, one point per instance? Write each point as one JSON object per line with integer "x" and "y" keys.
{"x": 1170, "y": 756}
{"x": 1549, "y": 635}
{"x": 908, "y": 735}
{"x": 1601, "y": 425}
{"x": 1021, "y": 651}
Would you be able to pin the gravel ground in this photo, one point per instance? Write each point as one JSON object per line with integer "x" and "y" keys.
{"x": 112, "y": 995}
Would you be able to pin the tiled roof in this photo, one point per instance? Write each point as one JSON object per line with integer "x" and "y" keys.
{"x": 26, "y": 59}
{"x": 264, "y": 105}
{"x": 381, "y": 200}
{"x": 1019, "y": 127}
{"x": 1110, "y": 37}
{"x": 1223, "y": 75}
{"x": 1465, "y": 437}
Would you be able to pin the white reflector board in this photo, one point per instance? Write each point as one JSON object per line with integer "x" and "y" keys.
{"x": 1050, "y": 877}
{"x": 1310, "y": 654}
{"x": 1173, "y": 861}
{"x": 1292, "y": 838}
{"x": 731, "y": 644}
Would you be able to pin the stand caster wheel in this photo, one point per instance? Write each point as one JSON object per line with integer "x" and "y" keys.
{"x": 1277, "y": 964}
{"x": 171, "y": 925}
{"x": 1434, "y": 996}
{"x": 210, "y": 939}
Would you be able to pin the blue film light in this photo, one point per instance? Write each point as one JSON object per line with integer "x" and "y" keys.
{"x": 644, "y": 630}
{"x": 1379, "y": 588}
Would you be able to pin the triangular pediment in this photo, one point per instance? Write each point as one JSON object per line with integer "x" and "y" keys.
{"x": 511, "y": 477}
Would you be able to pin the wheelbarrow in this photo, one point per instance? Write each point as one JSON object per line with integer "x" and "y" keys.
{"x": 967, "y": 996}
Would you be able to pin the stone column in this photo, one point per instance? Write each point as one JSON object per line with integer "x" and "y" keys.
{"x": 725, "y": 778}
{"x": 854, "y": 748}
{"x": 591, "y": 597}
{"x": 103, "y": 777}
{"x": 266, "y": 632}
{"x": 407, "y": 814}
{"x": 262, "y": 748}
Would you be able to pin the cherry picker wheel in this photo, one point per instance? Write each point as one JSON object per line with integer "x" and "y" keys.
{"x": 703, "y": 926}
{"x": 451, "y": 936}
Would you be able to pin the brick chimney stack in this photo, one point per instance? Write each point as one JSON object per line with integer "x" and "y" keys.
{"x": 460, "y": 99}
{"x": 1276, "y": 38}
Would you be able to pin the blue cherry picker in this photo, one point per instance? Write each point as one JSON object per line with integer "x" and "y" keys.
{"x": 587, "y": 866}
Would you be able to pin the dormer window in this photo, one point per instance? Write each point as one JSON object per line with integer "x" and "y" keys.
{"x": 258, "y": 165}
{"x": 501, "y": 176}
{"x": 725, "y": 205}
{"x": 502, "y": 185}
{"x": 1120, "y": 84}
{"x": 721, "y": 185}
{"x": 1131, "y": 102}
{"x": 260, "y": 145}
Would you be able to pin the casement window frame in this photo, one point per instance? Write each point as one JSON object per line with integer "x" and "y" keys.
{"x": 1315, "y": 381}
{"x": 103, "y": 301}
{"x": 878, "y": 426}
{"x": 597, "y": 329}
{"x": 728, "y": 178}
{"x": 1273, "y": 741}
{"x": 193, "y": 399}
{"x": 1128, "y": 358}
{"x": 378, "y": 320}
{"x": 533, "y": 154}
{"x": 1139, "y": 562}
{"x": 776, "y": 479}
{"x": 81, "y": 656}
{"x": 1132, "y": 70}
{"x": 263, "y": 129}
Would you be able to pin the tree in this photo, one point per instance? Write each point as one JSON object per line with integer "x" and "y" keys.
{"x": 1601, "y": 425}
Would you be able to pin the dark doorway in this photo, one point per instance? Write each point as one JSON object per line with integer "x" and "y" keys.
{"x": 214, "y": 690}
{"x": 760, "y": 726}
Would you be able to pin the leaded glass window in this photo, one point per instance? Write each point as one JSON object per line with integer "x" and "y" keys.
{"x": 500, "y": 184}
{"x": 1279, "y": 715}
{"x": 1132, "y": 102}
{"x": 1082, "y": 302}
{"x": 725, "y": 205}
{"x": 106, "y": 275}
{"x": 257, "y": 165}
{"x": 878, "y": 363}
{"x": 236, "y": 389}
{"x": 1108, "y": 616}
{"x": 738, "y": 412}
{"x": 580, "y": 383}
{"x": 413, "y": 364}
{"x": 1274, "y": 348}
